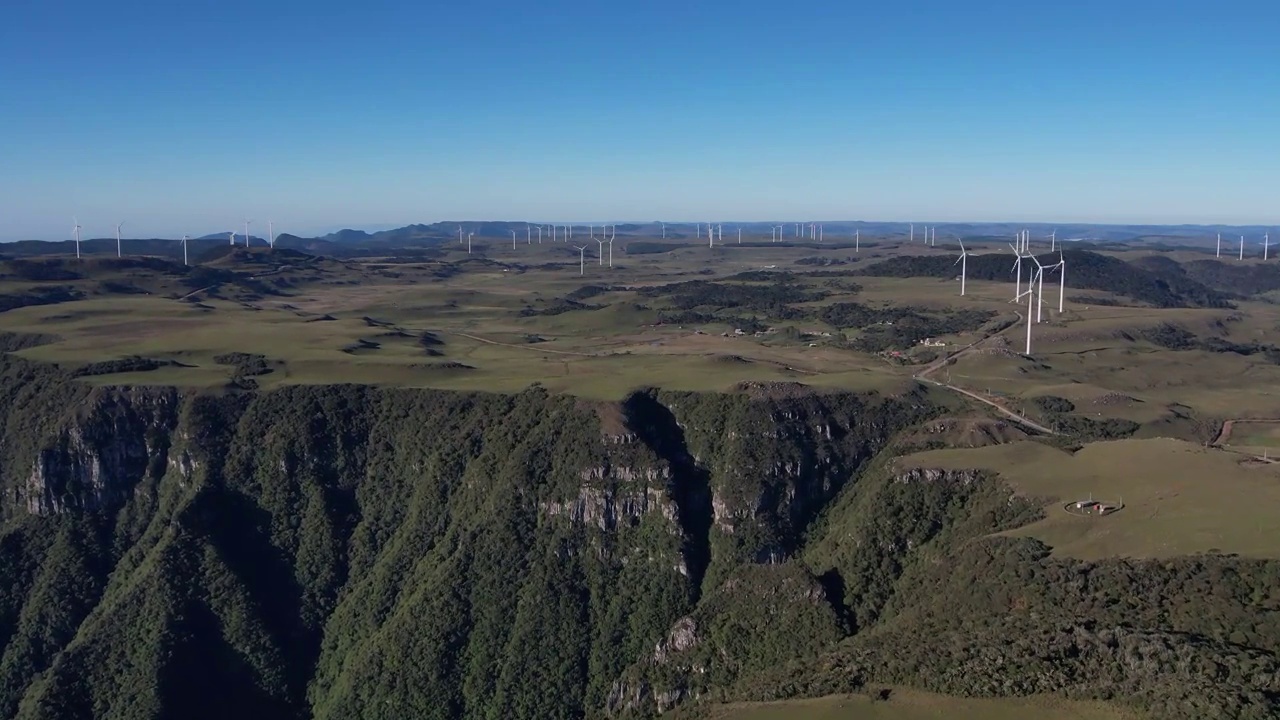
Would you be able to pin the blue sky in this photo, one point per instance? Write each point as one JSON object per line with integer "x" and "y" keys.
{"x": 187, "y": 117}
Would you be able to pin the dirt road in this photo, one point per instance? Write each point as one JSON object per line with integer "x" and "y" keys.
{"x": 947, "y": 359}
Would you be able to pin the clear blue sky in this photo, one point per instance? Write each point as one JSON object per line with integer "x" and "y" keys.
{"x": 189, "y": 116}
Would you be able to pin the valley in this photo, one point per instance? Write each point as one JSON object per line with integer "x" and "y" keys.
{"x": 732, "y": 482}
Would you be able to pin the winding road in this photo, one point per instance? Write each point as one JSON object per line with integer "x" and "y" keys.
{"x": 950, "y": 357}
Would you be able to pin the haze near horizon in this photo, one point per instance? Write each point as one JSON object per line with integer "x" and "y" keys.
{"x": 181, "y": 119}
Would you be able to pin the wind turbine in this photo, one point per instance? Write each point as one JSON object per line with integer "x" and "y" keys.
{"x": 121, "y": 224}
{"x": 1219, "y": 253}
{"x": 611, "y": 237}
{"x": 711, "y": 235}
{"x": 539, "y": 234}
{"x": 913, "y": 232}
{"x": 230, "y": 236}
{"x": 933, "y": 236}
{"x": 857, "y": 240}
{"x": 739, "y": 236}
{"x": 697, "y": 228}
{"x": 720, "y": 233}
{"x": 528, "y": 234}
{"x": 513, "y": 239}
{"x": 1241, "y": 247}
{"x": 664, "y": 231}
{"x": 1038, "y": 279}
{"x": 1053, "y": 240}
{"x": 1266, "y": 245}
{"x": 600, "y": 248}
{"x": 1030, "y": 293}
{"x": 962, "y": 262}
{"x": 75, "y": 230}
{"x": 469, "y": 242}
{"x": 1017, "y": 272}
{"x": 184, "y": 250}
{"x": 459, "y": 234}
{"x": 271, "y": 235}
{"x": 1061, "y": 267}
{"x": 582, "y": 262}
{"x": 246, "y": 231}
{"x": 819, "y": 233}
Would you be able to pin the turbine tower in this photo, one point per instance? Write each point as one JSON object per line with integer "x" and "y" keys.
{"x": 184, "y": 250}
{"x": 1241, "y": 247}
{"x": 857, "y": 240}
{"x": 1219, "y": 253}
{"x": 1017, "y": 272}
{"x": 246, "y": 231}
{"x": 962, "y": 262}
{"x": 469, "y": 242}
{"x": 75, "y": 230}
{"x": 600, "y": 249}
{"x": 271, "y": 235}
{"x": 118, "y": 244}
{"x": 913, "y": 232}
{"x": 513, "y": 239}
{"x": 582, "y": 261}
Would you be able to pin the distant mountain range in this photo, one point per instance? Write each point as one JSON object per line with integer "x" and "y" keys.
{"x": 424, "y": 237}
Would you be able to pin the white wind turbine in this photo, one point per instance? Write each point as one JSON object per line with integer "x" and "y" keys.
{"x": 119, "y": 225}
{"x": 1017, "y": 272}
{"x": 857, "y": 240}
{"x": 962, "y": 262}
{"x": 582, "y": 259}
{"x": 75, "y": 230}
{"x": 469, "y": 242}
{"x": 539, "y": 234}
{"x": 739, "y": 236}
{"x": 1219, "y": 253}
{"x": 664, "y": 231}
{"x": 184, "y": 250}
{"x": 913, "y": 232}
{"x": 1061, "y": 267}
{"x": 513, "y": 239}
{"x": 1053, "y": 241}
{"x": 246, "y": 231}
{"x": 1038, "y": 281}
{"x": 231, "y": 236}
{"x": 271, "y": 235}
{"x": 613, "y": 234}
{"x": 933, "y": 236}
{"x": 1241, "y": 247}
{"x": 773, "y": 234}
{"x": 459, "y": 234}
{"x": 528, "y": 234}
{"x": 1266, "y": 245}
{"x": 720, "y": 233}
{"x": 600, "y": 249}
{"x": 1030, "y": 293}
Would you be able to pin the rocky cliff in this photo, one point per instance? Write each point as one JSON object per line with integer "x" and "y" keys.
{"x": 348, "y": 551}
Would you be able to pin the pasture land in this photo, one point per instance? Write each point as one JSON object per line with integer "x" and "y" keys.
{"x": 906, "y": 704}
{"x": 1179, "y": 498}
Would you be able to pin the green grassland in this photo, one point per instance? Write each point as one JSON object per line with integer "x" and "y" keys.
{"x": 905, "y": 704}
{"x": 1179, "y": 498}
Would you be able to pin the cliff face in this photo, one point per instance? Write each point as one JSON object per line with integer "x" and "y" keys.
{"x": 345, "y": 551}
{"x": 286, "y": 554}
{"x": 118, "y": 439}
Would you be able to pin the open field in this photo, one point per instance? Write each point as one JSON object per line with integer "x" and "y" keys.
{"x": 507, "y": 318}
{"x": 905, "y": 704}
{"x": 1179, "y": 498}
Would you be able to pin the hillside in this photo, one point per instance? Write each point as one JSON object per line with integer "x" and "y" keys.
{"x": 1086, "y": 270}
{"x": 351, "y": 551}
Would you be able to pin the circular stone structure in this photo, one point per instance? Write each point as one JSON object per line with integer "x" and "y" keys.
{"x": 1092, "y": 508}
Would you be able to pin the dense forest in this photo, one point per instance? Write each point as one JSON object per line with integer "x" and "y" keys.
{"x": 350, "y": 551}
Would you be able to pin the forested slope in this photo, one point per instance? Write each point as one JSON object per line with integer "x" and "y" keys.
{"x": 350, "y": 551}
